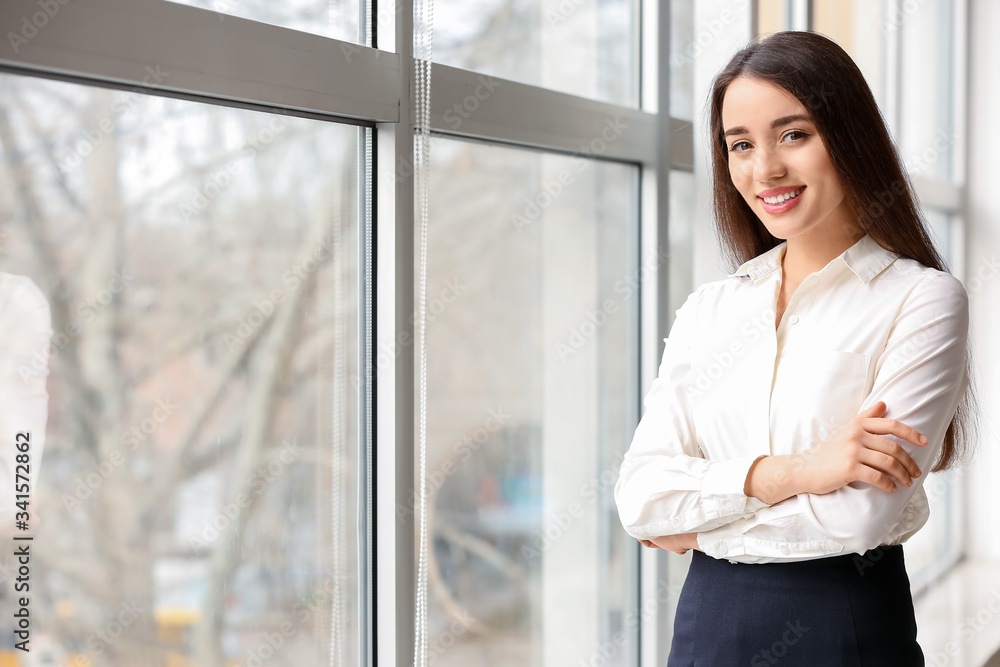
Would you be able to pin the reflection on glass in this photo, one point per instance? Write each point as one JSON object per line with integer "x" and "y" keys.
{"x": 926, "y": 136}
{"x": 200, "y": 266}
{"x": 338, "y": 19}
{"x": 583, "y": 47}
{"x": 533, "y": 295}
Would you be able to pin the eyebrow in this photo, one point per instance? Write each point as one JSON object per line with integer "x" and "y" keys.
{"x": 777, "y": 122}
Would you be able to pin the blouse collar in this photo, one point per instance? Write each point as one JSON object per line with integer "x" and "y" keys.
{"x": 866, "y": 259}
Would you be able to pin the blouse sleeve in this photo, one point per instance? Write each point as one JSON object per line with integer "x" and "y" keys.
{"x": 665, "y": 485}
{"x": 921, "y": 376}
{"x": 25, "y": 332}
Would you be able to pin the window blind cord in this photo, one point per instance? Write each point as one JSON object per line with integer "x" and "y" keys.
{"x": 367, "y": 206}
{"x": 423, "y": 33}
{"x": 340, "y": 473}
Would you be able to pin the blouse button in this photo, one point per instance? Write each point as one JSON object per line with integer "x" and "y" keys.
{"x": 723, "y": 550}
{"x": 794, "y": 319}
{"x": 784, "y": 548}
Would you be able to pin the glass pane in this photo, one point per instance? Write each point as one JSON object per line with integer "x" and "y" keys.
{"x": 533, "y": 303}
{"x": 196, "y": 500}
{"x": 339, "y": 19}
{"x": 583, "y": 47}
{"x": 926, "y": 134}
{"x": 859, "y": 29}
{"x": 684, "y": 48}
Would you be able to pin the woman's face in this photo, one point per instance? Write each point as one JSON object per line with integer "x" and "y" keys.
{"x": 775, "y": 151}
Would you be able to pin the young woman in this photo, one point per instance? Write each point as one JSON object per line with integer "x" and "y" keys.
{"x": 801, "y": 400}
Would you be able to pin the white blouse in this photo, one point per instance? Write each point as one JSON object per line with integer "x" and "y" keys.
{"x": 868, "y": 326}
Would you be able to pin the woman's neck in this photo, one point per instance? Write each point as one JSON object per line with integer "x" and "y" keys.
{"x": 810, "y": 252}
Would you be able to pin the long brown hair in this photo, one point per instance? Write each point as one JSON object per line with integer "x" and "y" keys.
{"x": 822, "y": 76}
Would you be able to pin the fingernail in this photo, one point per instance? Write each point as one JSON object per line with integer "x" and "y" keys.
{"x": 923, "y": 438}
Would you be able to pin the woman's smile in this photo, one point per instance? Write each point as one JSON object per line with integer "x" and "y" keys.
{"x": 781, "y": 202}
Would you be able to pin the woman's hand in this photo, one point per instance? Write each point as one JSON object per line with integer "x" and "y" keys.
{"x": 854, "y": 452}
{"x": 679, "y": 544}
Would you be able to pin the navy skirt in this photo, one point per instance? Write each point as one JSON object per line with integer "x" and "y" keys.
{"x": 841, "y": 611}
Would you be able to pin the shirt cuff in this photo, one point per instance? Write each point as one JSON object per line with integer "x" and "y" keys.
{"x": 722, "y": 487}
{"x": 732, "y": 543}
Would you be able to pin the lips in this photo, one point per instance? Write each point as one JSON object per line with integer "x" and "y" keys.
{"x": 776, "y": 195}
{"x": 779, "y": 200}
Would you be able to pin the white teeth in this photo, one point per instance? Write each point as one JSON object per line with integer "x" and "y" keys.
{"x": 782, "y": 198}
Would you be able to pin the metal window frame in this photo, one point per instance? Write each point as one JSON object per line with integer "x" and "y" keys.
{"x": 246, "y": 64}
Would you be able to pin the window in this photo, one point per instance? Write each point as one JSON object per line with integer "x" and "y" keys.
{"x": 533, "y": 292}
{"x": 242, "y": 165}
{"x": 584, "y": 48}
{"x": 198, "y": 493}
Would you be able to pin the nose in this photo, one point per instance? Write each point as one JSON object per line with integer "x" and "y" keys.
{"x": 767, "y": 165}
